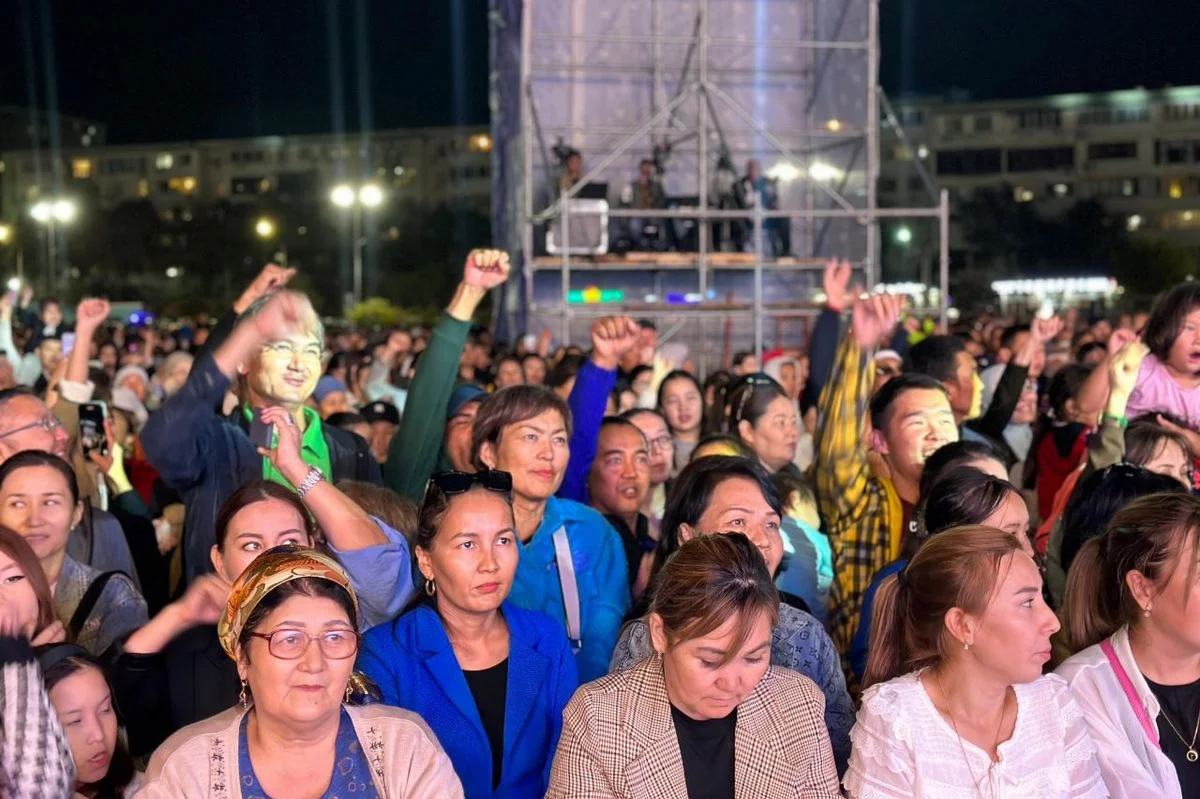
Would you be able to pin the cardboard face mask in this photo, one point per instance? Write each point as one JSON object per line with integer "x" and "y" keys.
{"x": 287, "y": 369}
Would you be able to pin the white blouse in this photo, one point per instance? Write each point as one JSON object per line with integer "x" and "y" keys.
{"x": 1049, "y": 756}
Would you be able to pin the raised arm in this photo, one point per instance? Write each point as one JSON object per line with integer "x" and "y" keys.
{"x": 842, "y": 423}
{"x": 1012, "y": 381}
{"x": 612, "y": 338}
{"x": 413, "y": 453}
{"x": 822, "y": 345}
{"x": 1094, "y": 392}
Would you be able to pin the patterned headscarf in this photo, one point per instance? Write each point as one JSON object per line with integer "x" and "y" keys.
{"x": 267, "y": 572}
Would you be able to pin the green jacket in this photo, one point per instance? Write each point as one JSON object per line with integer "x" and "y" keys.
{"x": 416, "y": 449}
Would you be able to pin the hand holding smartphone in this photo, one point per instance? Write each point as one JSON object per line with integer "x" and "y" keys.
{"x": 92, "y": 436}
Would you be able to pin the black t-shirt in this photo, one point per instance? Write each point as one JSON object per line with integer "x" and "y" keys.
{"x": 708, "y": 754}
{"x": 1180, "y": 703}
{"x": 489, "y": 688}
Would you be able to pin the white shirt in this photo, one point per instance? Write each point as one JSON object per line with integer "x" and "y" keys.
{"x": 902, "y": 747}
{"x": 1131, "y": 764}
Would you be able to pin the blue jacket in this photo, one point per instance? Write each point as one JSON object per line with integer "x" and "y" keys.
{"x": 413, "y": 663}
{"x": 862, "y": 636}
{"x": 588, "y": 400}
{"x": 206, "y": 459}
{"x": 600, "y": 571}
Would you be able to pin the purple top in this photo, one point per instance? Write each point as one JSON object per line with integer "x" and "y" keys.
{"x": 1157, "y": 392}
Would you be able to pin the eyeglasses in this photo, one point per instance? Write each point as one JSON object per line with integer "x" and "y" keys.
{"x": 292, "y": 644}
{"x": 450, "y": 483}
{"x": 663, "y": 442}
{"x": 49, "y": 423}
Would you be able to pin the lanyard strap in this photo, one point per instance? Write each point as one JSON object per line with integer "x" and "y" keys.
{"x": 1139, "y": 709}
{"x": 570, "y": 587}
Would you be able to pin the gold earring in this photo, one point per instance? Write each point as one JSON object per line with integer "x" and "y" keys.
{"x": 430, "y": 588}
{"x": 349, "y": 691}
{"x": 243, "y": 700}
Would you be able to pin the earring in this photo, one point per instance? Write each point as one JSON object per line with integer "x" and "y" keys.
{"x": 430, "y": 588}
{"x": 243, "y": 700}
{"x": 966, "y": 647}
{"x": 349, "y": 691}
{"x": 1146, "y": 613}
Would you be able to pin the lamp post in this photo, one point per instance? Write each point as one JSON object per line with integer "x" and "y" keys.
{"x": 357, "y": 199}
{"x": 51, "y": 213}
{"x": 266, "y": 229}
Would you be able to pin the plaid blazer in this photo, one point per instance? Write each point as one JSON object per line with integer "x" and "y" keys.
{"x": 618, "y": 741}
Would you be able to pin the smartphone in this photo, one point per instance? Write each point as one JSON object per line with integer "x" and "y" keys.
{"x": 92, "y": 437}
{"x": 68, "y": 343}
{"x": 262, "y": 434}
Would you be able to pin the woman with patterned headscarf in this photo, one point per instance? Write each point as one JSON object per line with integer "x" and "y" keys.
{"x": 291, "y": 626}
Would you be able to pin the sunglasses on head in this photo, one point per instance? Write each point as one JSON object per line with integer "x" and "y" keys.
{"x": 450, "y": 483}
{"x": 751, "y": 383}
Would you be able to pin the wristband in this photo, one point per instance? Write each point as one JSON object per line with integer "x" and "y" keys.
{"x": 310, "y": 482}
{"x": 1119, "y": 421}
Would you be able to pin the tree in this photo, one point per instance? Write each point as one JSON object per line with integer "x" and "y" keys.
{"x": 1146, "y": 266}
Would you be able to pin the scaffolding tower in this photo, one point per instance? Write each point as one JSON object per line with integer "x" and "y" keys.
{"x": 701, "y": 87}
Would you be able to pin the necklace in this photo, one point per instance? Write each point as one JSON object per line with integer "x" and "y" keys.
{"x": 1192, "y": 754}
{"x": 996, "y": 738}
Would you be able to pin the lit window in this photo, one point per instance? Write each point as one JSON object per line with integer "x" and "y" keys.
{"x": 1022, "y": 194}
{"x": 480, "y": 143}
{"x": 922, "y": 152}
{"x": 1060, "y": 189}
{"x": 143, "y": 187}
{"x": 185, "y": 185}
{"x": 903, "y": 153}
{"x": 834, "y": 125}
{"x": 164, "y": 161}
{"x": 1175, "y": 190}
{"x": 1133, "y": 223}
{"x": 1128, "y": 188}
{"x": 81, "y": 168}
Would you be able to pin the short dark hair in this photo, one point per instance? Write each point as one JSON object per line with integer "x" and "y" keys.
{"x": 1088, "y": 349}
{"x": 738, "y": 357}
{"x": 935, "y": 356}
{"x": 647, "y": 324}
{"x": 1167, "y": 318}
{"x": 1010, "y": 334}
{"x": 692, "y": 492}
{"x": 510, "y": 406}
{"x": 885, "y": 397}
{"x": 620, "y": 421}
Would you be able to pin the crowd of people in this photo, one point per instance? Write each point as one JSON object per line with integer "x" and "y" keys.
{"x": 263, "y": 558}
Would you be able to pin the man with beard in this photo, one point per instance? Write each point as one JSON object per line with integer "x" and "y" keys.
{"x": 275, "y": 354}
{"x": 868, "y": 500}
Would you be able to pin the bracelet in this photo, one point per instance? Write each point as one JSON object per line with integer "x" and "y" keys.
{"x": 310, "y": 481}
{"x": 1119, "y": 421}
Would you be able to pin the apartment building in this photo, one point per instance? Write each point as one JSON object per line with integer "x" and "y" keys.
{"x": 1137, "y": 151}
{"x": 419, "y": 167}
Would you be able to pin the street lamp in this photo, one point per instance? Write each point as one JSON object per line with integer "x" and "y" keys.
{"x": 50, "y": 213}
{"x": 356, "y": 199}
{"x": 265, "y": 228}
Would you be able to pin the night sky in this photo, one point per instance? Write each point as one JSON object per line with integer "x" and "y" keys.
{"x": 187, "y": 69}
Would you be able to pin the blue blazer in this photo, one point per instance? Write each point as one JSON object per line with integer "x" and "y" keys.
{"x": 412, "y": 662}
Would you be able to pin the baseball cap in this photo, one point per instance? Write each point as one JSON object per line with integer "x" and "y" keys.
{"x": 328, "y": 385}
{"x": 381, "y": 412}
{"x": 467, "y": 392}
